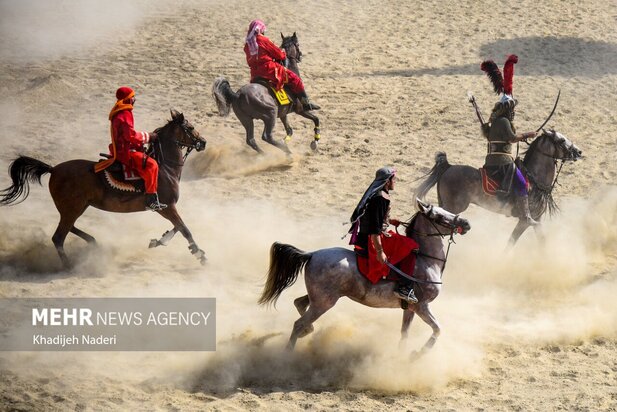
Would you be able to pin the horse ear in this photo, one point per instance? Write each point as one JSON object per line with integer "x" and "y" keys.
{"x": 282, "y": 37}
{"x": 294, "y": 35}
{"x": 423, "y": 207}
{"x": 177, "y": 116}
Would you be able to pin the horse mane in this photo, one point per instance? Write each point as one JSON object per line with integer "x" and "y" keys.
{"x": 540, "y": 198}
{"x": 409, "y": 225}
{"x": 533, "y": 146}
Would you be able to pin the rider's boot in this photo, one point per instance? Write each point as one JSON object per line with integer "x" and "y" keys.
{"x": 307, "y": 105}
{"x": 405, "y": 292}
{"x": 522, "y": 204}
{"x": 152, "y": 202}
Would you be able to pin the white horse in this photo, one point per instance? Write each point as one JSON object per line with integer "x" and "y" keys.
{"x": 332, "y": 273}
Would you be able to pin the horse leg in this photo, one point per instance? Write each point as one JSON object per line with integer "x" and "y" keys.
{"x": 164, "y": 240}
{"x": 68, "y": 216}
{"x": 520, "y": 227}
{"x": 88, "y": 238}
{"x": 247, "y": 122}
{"x": 539, "y": 233}
{"x": 316, "y": 129}
{"x": 266, "y": 136}
{"x": 427, "y": 316}
{"x": 171, "y": 214}
{"x": 302, "y": 303}
{"x": 288, "y": 129}
{"x": 407, "y": 318}
{"x": 304, "y": 325}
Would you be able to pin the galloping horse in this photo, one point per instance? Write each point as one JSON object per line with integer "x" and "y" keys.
{"x": 74, "y": 186}
{"x": 332, "y": 273}
{"x": 460, "y": 185}
{"x": 254, "y": 101}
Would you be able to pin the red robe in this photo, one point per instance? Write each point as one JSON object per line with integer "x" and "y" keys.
{"x": 262, "y": 64}
{"x": 127, "y": 147}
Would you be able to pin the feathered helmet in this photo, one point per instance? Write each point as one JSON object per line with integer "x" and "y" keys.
{"x": 502, "y": 84}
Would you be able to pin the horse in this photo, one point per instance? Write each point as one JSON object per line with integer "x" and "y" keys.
{"x": 74, "y": 186}
{"x": 460, "y": 185}
{"x": 254, "y": 101}
{"x": 333, "y": 273}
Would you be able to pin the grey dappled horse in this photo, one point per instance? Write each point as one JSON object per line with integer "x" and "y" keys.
{"x": 460, "y": 185}
{"x": 332, "y": 273}
{"x": 254, "y": 101}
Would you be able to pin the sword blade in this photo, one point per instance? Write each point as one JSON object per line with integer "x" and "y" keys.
{"x": 552, "y": 112}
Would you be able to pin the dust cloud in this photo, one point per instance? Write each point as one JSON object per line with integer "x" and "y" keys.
{"x": 31, "y": 30}
{"x": 560, "y": 289}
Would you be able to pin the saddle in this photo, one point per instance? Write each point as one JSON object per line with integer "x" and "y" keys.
{"x": 282, "y": 97}
{"x": 497, "y": 180}
{"x": 120, "y": 177}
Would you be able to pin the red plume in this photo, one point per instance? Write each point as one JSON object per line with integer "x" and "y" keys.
{"x": 493, "y": 73}
{"x": 508, "y": 73}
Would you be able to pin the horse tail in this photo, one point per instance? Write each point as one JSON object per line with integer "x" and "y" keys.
{"x": 286, "y": 262}
{"x": 441, "y": 165}
{"x": 22, "y": 171}
{"x": 223, "y": 95}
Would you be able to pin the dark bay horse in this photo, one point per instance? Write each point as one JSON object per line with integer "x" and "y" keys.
{"x": 460, "y": 185}
{"x": 332, "y": 273}
{"x": 74, "y": 186}
{"x": 254, "y": 101}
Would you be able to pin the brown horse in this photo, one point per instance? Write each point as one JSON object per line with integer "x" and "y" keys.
{"x": 254, "y": 101}
{"x": 74, "y": 186}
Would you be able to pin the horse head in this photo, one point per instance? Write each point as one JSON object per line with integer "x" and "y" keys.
{"x": 556, "y": 145}
{"x": 443, "y": 218}
{"x": 292, "y": 47}
{"x": 183, "y": 133}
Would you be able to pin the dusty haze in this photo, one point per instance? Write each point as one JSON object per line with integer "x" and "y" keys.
{"x": 534, "y": 328}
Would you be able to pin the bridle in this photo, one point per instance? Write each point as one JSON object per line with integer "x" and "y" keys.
{"x": 556, "y": 160}
{"x": 194, "y": 144}
{"x": 287, "y": 44}
{"x": 453, "y": 229}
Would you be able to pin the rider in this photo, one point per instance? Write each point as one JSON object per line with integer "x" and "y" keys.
{"x": 501, "y": 134}
{"x": 127, "y": 146}
{"x": 263, "y": 58}
{"x": 369, "y": 232}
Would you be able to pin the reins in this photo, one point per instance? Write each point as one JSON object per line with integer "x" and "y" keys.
{"x": 418, "y": 253}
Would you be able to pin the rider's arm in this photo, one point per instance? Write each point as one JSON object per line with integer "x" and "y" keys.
{"x": 126, "y": 131}
{"x": 381, "y": 255}
{"x": 525, "y": 136}
{"x": 270, "y": 48}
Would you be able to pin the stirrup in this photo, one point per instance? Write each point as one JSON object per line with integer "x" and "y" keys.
{"x": 156, "y": 206}
{"x": 407, "y": 294}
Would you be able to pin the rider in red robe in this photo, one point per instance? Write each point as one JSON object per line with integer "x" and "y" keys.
{"x": 263, "y": 58}
{"x": 127, "y": 146}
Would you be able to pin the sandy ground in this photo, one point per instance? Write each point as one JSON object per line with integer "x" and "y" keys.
{"x": 533, "y": 329}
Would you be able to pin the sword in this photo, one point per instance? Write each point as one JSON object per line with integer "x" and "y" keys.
{"x": 552, "y": 112}
{"x": 405, "y": 275}
{"x": 472, "y": 100}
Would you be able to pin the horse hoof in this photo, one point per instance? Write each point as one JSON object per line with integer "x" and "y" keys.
{"x": 153, "y": 243}
{"x": 287, "y": 139}
{"x": 314, "y": 145}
